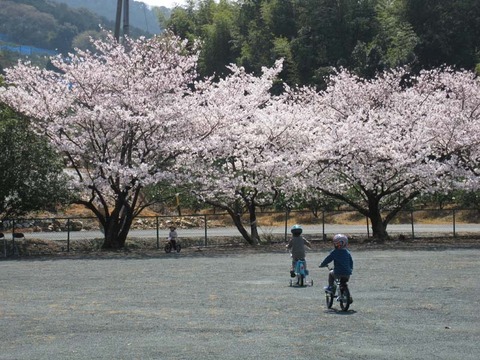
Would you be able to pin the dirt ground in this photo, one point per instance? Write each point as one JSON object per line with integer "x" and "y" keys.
{"x": 232, "y": 303}
{"x": 138, "y": 248}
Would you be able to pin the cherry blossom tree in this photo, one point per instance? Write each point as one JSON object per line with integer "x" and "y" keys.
{"x": 118, "y": 116}
{"x": 132, "y": 115}
{"x": 455, "y": 99}
{"x": 243, "y": 163}
{"x": 375, "y": 150}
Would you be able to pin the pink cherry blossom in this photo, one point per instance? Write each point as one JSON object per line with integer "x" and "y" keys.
{"x": 118, "y": 117}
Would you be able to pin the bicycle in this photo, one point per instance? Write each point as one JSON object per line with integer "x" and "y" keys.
{"x": 169, "y": 246}
{"x": 341, "y": 293}
{"x": 300, "y": 272}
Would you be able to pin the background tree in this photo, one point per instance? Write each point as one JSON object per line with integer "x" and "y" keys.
{"x": 396, "y": 35}
{"x": 455, "y": 98}
{"x": 375, "y": 149}
{"x": 392, "y": 44}
{"x": 32, "y": 173}
{"x": 448, "y": 31}
{"x": 83, "y": 40}
{"x": 239, "y": 168}
{"x": 182, "y": 22}
{"x": 217, "y": 37}
{"x": 258, "y": 26}
{"x": 214, "y": 25}
{"x": 118, "y": 116}
{"x": 315, "y": 37}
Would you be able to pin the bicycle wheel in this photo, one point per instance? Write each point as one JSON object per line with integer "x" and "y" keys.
{"x": 329, "y": 299}
{"x": 344, "y": 298}
{"x": 301, "y": 280}
{"x": 179, "y": 247}
{"x": 168, "y": 247}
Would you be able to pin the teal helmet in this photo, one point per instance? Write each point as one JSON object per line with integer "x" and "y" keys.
{"x": 296, "y": 230}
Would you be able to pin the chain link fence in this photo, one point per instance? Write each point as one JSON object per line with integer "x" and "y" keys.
{"x": 65, "y": 234}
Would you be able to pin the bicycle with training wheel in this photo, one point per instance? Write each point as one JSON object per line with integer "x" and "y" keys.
{"x": 341, "y": 293}
{"x": 300, "y": 273}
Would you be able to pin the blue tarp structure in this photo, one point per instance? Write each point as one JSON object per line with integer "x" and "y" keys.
{"x": 27, "y": 50}
{"x": 24, "y": 49}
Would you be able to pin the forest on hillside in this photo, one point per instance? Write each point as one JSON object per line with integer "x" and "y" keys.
{"x": 314, "y": 36}
{"x": 54, "y": 26}
{"x": 141, "y": 16}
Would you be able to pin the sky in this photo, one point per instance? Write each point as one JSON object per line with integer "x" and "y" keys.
{"x": 166, "y": 3}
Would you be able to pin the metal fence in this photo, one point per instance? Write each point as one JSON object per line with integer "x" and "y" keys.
{"x": 72, "y": 233}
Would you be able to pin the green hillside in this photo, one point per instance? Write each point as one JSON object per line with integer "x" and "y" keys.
{"x": 141, "y": 16}
{"x": 28, "y": 26}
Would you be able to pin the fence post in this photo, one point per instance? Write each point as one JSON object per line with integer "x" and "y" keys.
{"x": 13, "y": 236}
{"x": 205, "y": 224}
{"x": 324, "y": 236}
{"x": 158, "y": 232}
{"x": 68, "y": 234}
{"x": 286, "y": 224}
{"x": 454, "y": 232}
{"x": 2, "y": 236}
{"x": 413, "y": 227}
{"x": 368, "y": 227}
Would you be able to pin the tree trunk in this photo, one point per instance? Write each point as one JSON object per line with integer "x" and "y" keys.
{"x": 237, "y": 220}
{"x": 253, "y": 224}
{"x": 113, "y": 241}
{"x": 116, "y": 231}
{"x": 117, "y": 224}
{"x": 379, "y": 227}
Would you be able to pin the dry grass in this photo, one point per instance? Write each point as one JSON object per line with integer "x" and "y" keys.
{"x": 147, "y": 248}
{"x": 35, "y": 247}
{"x": 305, "y": 218}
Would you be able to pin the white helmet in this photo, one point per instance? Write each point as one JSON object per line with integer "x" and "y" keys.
{"x": 340, "y": 241}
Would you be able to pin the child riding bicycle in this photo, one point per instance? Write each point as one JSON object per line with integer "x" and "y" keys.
{"x": 342, "y": 262}
{"x": 297, "y": 245}
{"x": 173, "y": 236}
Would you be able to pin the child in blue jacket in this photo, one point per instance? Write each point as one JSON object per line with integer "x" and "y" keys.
{"x": 342, "y": 262}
